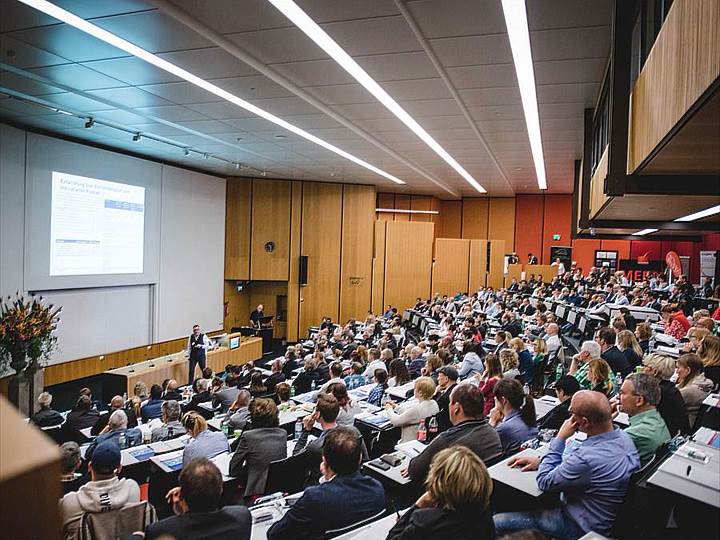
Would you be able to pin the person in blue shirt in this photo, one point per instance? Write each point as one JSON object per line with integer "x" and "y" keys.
{"x": 592, "y": 478}
{"x": 153, "y": 407}
{"x": 204, "y": 443}
{"x": 525, "y": 359}
{"x": 376, "y": 394}
{"x": 513, "y": 416}
{"x": 356, "y": 379}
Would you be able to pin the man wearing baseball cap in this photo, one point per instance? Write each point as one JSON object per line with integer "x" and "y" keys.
{"x": 103, "y": 493}
{"x": 447, "y": 380}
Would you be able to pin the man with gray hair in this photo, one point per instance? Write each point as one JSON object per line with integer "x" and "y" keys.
{"x": 552, "y": 338}
{"x": 117, "y": 432}
{"x": 238, "y": 415}
{"x": 202, "y": 395}
{"x": 639, "y": 396}
{"x": 46, "y": 417}
{"x": 171, "y": 426}
{"x": 589, "y": 350}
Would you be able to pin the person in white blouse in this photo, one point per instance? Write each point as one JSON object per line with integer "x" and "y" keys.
{"x": 407, "y": 415}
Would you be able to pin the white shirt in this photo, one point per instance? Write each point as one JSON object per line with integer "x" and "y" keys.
{"x": 553, "y": 344}
{"x": 372, "y": 366}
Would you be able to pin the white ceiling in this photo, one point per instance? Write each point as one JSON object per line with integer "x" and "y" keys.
{"x": 569, "y": 39}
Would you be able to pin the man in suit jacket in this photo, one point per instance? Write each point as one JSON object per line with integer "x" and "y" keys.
{"x": 225, "y": 397}
{"x": 447, "y": 381}
{"x": 565, "y": 388}
{"x": 203, "y": 395}
{"x": 470, "y": 428}
{"x": 345, "y": 497}
{"x": 610, "y": 353}
{"x": 197, "y": 505}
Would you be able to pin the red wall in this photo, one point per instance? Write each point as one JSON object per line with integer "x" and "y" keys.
{"x": 529, "y": 210}
{"x": 558, "y": 219}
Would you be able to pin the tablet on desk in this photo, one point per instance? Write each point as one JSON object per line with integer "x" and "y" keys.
{"x": 174, "y": 464}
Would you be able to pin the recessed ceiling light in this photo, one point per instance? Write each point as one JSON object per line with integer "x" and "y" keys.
{"x": 644, "y": 232}
{"x": 701, "y": 214}
{"x": 280, "y": 137}
{"x": 519, "y": 35}
{"x": 130, "y": 48}
{"x": 301, "y": 19}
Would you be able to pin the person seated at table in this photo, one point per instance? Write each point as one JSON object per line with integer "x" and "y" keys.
{"x": 502, "y": 341}
{"x": 257, "y": 387}
{"x": 456, "y": 503}
{"x": 398, "y": 373}
{"x": 599, "y": 377}
{"x": 525, "y": 359}
{"x": 695, "y": 336}
{"x": 202, "y": 395}
{"x": 540, "y": 351}
{"x": 258, "y": 446}
{"x": 116, "y": 403}
{"x": 356, "y": 378}
{"x": 283, "y": 393}
{"x": 203, "y": 442}
{"x": 47, "y": 417}
{"x": 196, "y": 504}
{"x": 488, "y": 379}
{"x": 629, "y": 346}
{"x": 336, "y": 370}
{"x": 117, "y": 432}
{"x": 447, "y": 380}
{"x": 471, "y": 361}
{"x": 70, "y": 461}
{"x": 348, "y": 408}
{"x": 675, "y": 322}
{"x": 276, "y": 376}
{"x": 709, "y": 353}
{"x": 152, "y": 408}
{"x": 694, "y": 386}
{"x": 224, "y": 396}
{"x": 82, "y": 415}
{"x": 238, "y": 415}
{"x": 513, "y": 415}
{"x": 290, "y": 364}
{"x": 408, "y": 415}
{"x": 565, "y": 389}
{"x": 376, "y": 394}
{"x": 415, "y": 362}
{"x": 509, "y": 363}
{"x": 642, "y": 334}
{"x": 171, "y": 391}
{"x": 308, "y": 377}
{"x": 344, "y": 497}
{"x": 606, "y": 338}
{"x": 172, "y": 427}
{"x": 592, "y": 479}
{"x": 469, "y": 428}
{"x": 671, "y": 405}
{"x": 589, "y": 350}
{"x": 432, "y": 364}
{"x": 326, "y": 413}
{"x": 639, "y": 396}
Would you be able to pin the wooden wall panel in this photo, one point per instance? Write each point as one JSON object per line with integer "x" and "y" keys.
{"x": 267, "y": 293}
{"x": 451, "y": 266}
{"x": 558, "y": 215}
{"x": 378, "y": 267}
{"x": 421, "y": 202}
{"x": 529, "y": 210}
{"x": 475, "y": 218}
{"x": 501, "y": 221}
{"x": 449, "y": 221}
{"x": 386, "y": 200}
{"x": 545, "y": 271}
{"x": 358, "y": 218}
{"x": 293, "y": 314}
{"x": 477, "y": 276}
{"x": 514, "y": 271}
{"x": 683, "y": 63}
{"x": 320, "y": 241}
{"x": 497, "y": 264}
{"x": 270, "y": 222}
{"x": 237, "y": 228}
{"x": 408, "y": 262}
{"x": 237, "y": 306}
{"x": 402, "y": 202}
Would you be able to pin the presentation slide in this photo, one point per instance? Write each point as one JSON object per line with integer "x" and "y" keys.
{"x": 96, "y": 226}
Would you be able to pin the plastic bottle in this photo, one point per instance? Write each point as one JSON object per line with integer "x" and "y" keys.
{"x": 121, "y": 441}
{"x": 421, "y": 431}
{"x": 312, "y": 386}
{"x": 298, "y": 429}
{"x": 526, "y": 389}
{"x": 384, "y": 399}
{"x": 433, "y": 426}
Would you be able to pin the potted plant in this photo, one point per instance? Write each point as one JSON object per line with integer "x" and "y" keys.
{"x": 27, "y": 339}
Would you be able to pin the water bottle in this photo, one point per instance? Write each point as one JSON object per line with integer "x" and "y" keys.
{"x": 384, "y": 399}
{"x": 526, "y": 389}
{"x": 121, "y": 441}
{"x": 292, "y": 391}
{"x": 433, "y": 427}
{"x": 312, "y": 386}
{"x": 421, "y": 431}
{"x": 298, "y": 429}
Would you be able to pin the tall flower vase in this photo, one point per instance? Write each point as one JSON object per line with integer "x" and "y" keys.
{"x": 27, "y": 383}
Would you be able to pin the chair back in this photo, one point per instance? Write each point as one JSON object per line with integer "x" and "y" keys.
{"x": 286, "y": 475}
{"x": 116, "y": 523}
{"x": 333, "y": 533}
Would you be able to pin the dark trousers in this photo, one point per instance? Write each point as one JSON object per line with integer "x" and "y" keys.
{"x": 198, "y": 360}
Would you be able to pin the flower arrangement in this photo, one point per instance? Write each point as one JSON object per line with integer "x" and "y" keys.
{"x": 27, "y": 330}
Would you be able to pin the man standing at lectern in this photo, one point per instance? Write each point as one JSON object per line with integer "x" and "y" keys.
{"x": 256, "y": 316}
{"x": 198, "y": 344}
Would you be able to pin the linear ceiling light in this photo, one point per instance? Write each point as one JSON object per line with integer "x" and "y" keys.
{"x": 108, "y": 37}
{"x": 644, "y": 232}
{"x": 291, "y": 10}
{"x": 400, "y": 211}
{"x": 519, "y": 35}
{"x": 701, "y": 214}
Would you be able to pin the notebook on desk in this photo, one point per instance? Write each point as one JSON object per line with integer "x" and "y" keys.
{"x": 173, "y": 463}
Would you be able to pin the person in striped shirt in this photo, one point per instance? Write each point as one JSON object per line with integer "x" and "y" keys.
{"x": 589, "y": 350}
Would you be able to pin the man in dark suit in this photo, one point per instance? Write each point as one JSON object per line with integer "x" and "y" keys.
{"x": 345, "y": 497}
{"x": 470, "y": 428}
{"x": 447, "y": 381}
{"x": 202, "y": 395}
{"x": 197, "y": 505}
{"x": 610, "y": 353}
{"x": 532, "y": 259}
{"x": 47, "y": 417}
{"x": 172, "y": 392}
{"x": 565, "y": 388}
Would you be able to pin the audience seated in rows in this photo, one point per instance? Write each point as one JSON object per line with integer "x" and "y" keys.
{"x": 409, "y": 414}
{"x": 203, "y": 442}
{"x": 513, "y": 415}
{"x": 171, "y": 427}
{"x": 152, "y": 407}
{"x": 46, "y": 416}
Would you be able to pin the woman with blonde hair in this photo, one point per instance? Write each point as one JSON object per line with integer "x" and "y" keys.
{"x": 672, "y": 405}
{"x": 203, "y": 442}
{"x": 456, "y": 503}
{"x": 599, "y": 377}
{"x": 541, "y": 350}
{"x": 525, "y": 359}
{"x": 432, "y": 364}
{"x": 709, "y": 353}
{"x": 509, "y": 363}
{"x": 408, "y": 414}
{"x": 629, "y": 346}
{"x": 695, "y": 335}
{"x": 692, "y": 383}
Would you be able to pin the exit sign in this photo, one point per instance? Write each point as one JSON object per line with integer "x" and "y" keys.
{"x": 556, "y": 237}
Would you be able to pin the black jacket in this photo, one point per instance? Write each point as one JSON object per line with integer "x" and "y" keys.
{"x": 80, "y": 419}
{"x": 228, "y": 523}
{"x": 47, "y": 418}
{"x": 440, "y": 524}
{"x": 615, "y": 358}
{"x": 443, "y": 401}
{"x": 289, "y": 367}
{"x": 556, "y": 416}
{"x": 272, "y": 381}
{"x": 673, "y": 410}
{"x": 197, "y": 399}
